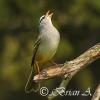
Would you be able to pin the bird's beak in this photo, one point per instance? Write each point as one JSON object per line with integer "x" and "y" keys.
{"x": 49, "y": 14}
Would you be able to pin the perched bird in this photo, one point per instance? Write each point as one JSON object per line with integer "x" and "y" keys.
{"x": 44, "y": 49}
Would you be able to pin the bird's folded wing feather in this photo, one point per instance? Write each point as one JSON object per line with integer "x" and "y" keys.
{"x": 35, "y": 48}
{"x": 31, "y": 85}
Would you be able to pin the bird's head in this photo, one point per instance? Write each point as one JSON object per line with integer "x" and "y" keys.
{"x": 46, "y": 19}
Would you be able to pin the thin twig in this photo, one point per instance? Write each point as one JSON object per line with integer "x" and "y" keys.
{"x": 96, "y": 95}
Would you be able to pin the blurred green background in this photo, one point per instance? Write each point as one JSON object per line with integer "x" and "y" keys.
{"x": 78, "y": 22}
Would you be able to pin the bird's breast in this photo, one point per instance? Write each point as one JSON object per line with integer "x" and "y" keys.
{"x": 47, "y": 47}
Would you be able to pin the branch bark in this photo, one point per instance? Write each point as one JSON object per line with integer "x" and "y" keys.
{"x": 96, "y": 95}
{"x": 69, "y": 69}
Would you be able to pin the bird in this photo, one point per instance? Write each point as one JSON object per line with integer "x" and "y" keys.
{"x": 44, "y": 49}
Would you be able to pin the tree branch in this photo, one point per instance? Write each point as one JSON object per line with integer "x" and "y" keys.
{"x": 96, "y": 95}
{"x": 69, "y": 69}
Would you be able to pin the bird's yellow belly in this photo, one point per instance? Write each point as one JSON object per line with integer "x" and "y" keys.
{"x": 45, "y": 53}
{"x": 42, "y": 58}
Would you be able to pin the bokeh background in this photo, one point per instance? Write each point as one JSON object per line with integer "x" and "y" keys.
{"x": 78, "y": 22}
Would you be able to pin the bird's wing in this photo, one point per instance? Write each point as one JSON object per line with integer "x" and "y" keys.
{"x": 35, "y": 48}
{"x": 31, "y": 85}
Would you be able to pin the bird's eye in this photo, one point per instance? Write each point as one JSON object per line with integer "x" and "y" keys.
{"x": 42, "y": 18}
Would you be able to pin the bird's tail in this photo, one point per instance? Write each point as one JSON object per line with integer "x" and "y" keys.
{"x": 31, "y": 85}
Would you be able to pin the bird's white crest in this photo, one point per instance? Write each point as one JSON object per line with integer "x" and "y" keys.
{"x": 42, "y": 17}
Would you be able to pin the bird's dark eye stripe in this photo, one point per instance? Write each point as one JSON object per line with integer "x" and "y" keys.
{"x": 42, "y": 18}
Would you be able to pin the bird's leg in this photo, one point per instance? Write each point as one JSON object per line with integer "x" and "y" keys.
{"x": 37, "y": 66}
{"x": 38, "y": 72}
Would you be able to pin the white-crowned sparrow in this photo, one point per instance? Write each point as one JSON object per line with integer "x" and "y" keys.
{"x": 44, "y": 48}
